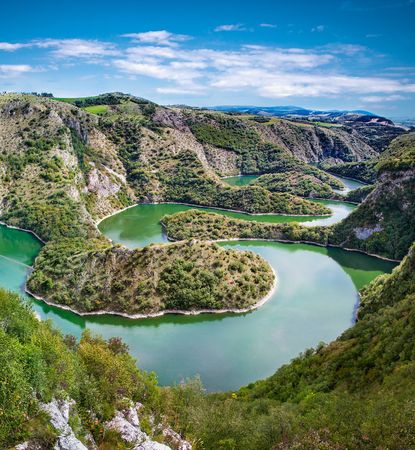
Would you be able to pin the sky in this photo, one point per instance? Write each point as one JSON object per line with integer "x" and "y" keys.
{"x": 315, "y": 54}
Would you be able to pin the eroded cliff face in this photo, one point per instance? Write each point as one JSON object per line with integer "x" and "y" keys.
{"x": 50, "y": 148}
{"x": 316, "y": 143}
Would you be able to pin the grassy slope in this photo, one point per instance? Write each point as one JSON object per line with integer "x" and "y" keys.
{"x": 37, "y": 364}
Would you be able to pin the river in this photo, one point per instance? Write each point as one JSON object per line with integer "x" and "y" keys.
{"x": 315, "y": 301}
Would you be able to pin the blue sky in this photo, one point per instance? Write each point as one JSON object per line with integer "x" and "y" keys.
{"x": 318, "y": 54}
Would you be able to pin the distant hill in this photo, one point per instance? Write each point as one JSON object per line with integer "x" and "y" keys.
{"x": 334, "y": 115}
{"x": 283, "y": 111}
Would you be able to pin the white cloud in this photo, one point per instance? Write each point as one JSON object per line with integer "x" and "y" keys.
{"x": 318, "y": 28}
{"x": 230, "y": 27}
{"x": 267, "y": 71}
{"x": 383, "y": 98}
{"x": 13, "y": 70}
{"x": 161, "y": 37}
{"x": 77, "y": 47}
{"x": 268, "y": 25}
{"x": 9, "y": 47}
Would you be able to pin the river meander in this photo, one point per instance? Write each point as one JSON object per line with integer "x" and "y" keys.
{"x": 315, "y": 301}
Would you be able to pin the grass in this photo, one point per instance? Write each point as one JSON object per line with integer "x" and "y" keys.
{"x": 96, "y": 109}
{"x": 328, "y": 125}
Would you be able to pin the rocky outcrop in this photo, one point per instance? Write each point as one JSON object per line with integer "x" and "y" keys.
{"x": 127, "y": 424}
{"x": 59, "y": 412}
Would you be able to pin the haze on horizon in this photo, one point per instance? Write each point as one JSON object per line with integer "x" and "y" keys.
{"x": 347, "y": 55}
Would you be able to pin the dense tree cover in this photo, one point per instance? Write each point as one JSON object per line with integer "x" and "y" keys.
{"x": 186, "y": 276}
{"x": 296, "y": 183}
{"x": 400, "y": 155}
{"x": 37, "y": 364}
{"x": 204, "y": 225}
{"x": 225, "y": 132}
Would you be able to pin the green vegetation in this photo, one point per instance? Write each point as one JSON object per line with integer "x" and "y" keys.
{"x": 399, "y": 156}
{"x": 296, "y": 183}
{"x": 57, "y": 184}
{"x": 187, "y": 182}
{"x": 204, "y": 225}
{"x": 184, "y": 276}
{"x": 384, "y": 222}
{"x": 356, "y": 392}
{"x": 37, "y": 364}
{"x": 363, "y": 170}
{"x": 225, "y": 132}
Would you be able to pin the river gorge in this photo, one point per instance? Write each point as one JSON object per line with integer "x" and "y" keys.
{"x": 315, "y": 300}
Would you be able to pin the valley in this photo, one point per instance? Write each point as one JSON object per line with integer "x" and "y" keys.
{"x": 146, "y": 239}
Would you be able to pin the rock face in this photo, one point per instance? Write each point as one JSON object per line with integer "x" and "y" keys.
{"x": 59, "y": 411}
{"x": 127, "y": 424}
{"x": 365, "y": 233}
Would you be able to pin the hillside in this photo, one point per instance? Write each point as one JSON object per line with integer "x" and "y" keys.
{"x": 385, "y": 221}
{"x": 60, "y": 393}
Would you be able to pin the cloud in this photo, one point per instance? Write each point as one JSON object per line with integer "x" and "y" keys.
{"x": 230, "y": 27}
{"x": 67, "y": 47}
{"x": 13, "y": 70}
{"x": 161, "y": 37}
{"x": 266, "y": 71}
{"x": 9, "y": 47}
{"x": 373, "y": 35}
{"x": 268, "y": 25}
{"x": 382, "y": 98}
{"x": 181, "y": 91}
{"x": 77, "y": 47}
{"x": 318, "y": 29}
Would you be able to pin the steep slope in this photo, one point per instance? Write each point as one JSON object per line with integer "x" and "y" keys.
{"x": 60, "y": 393}
{"x": 245, "y": 137}
{"x": 385, "y": 222}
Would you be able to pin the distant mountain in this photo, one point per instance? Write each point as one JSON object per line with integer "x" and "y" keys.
{"x": 283, "y": 111}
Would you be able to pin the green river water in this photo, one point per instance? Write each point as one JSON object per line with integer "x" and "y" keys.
{"x": 315, "y": 301}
